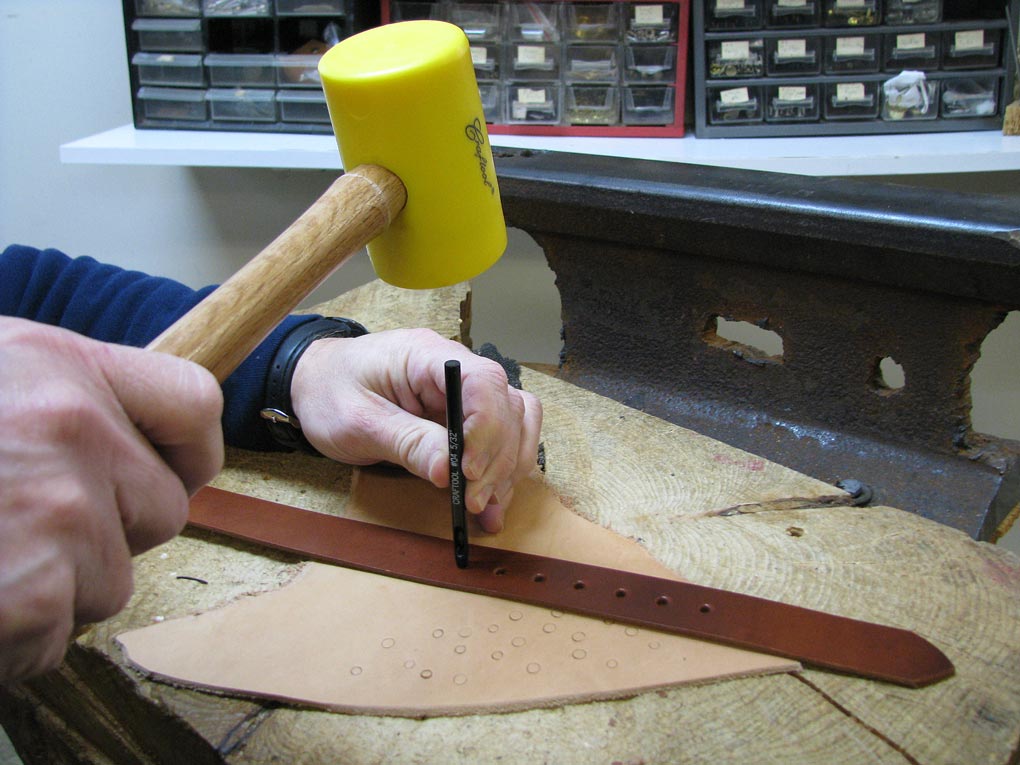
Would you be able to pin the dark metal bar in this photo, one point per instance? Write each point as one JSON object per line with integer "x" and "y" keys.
{"x": 648, "y": 256}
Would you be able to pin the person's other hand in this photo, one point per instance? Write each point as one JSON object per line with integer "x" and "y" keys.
{"x": 102, "y": 446}
{"x": 382, "y": 398}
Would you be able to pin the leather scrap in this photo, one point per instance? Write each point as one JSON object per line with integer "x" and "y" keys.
{"x": 348, "y": 641}
{"x": 816, "y": 638}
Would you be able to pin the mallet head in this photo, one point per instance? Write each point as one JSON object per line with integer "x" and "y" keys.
{"x": 404, "y": 97}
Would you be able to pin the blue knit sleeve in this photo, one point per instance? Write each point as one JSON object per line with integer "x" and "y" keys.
{"x": 131, "y": 308}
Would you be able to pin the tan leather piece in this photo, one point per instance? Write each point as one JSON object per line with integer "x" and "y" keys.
{"x": 355, "y": 642}
{"x": 352, "y": 641}
{"x": 540, "y": 525}
{"x": 338, "y": 622}
{"x": 537, "y": 523}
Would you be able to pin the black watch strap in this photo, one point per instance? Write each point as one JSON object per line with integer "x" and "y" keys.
{"x": 278, "y": 411}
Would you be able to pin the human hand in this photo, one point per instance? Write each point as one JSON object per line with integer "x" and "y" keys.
{"x": 101, "y": 447}
{"x": 381, "y": 398}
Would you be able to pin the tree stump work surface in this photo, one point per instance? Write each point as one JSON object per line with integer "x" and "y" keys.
{"x": 714, "y": 514}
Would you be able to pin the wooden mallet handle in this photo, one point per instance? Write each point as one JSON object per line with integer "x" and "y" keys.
{"x": 224, "y": 328}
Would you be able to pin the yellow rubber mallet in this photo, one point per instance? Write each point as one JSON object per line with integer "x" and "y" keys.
{"x": 421, "y": 191}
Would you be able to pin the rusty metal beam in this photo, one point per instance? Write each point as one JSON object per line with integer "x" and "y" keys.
{"x": 649, "y": 255}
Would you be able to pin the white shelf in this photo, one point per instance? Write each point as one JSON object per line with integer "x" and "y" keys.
{"x": 907, "y": 154}
{"x": 127, "y": 146}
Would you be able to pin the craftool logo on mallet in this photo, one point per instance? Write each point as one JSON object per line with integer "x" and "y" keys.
{"x": 477, "y": 135}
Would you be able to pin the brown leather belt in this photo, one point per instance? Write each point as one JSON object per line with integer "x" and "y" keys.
{"x": 812, "y": 637}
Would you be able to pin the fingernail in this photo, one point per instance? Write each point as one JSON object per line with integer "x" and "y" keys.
{"x": 438, "y": 471}
{"x": 482, "y": 497}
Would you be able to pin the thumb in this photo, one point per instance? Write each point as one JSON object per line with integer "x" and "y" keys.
{"x": 419, "y": 445}
{"x": 388, "y": 433}
{"x": 175, "y": 404}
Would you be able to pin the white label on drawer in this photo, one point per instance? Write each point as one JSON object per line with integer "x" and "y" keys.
{"x": 532, "y": 96}
{"x": 168, "y": 58}
{"x": 910, "y": 42}
{"x": 849, "y": 46}
{"x": 791, "y": 49}
{"x": 734, "y": 96}
{"x": 792, "y": 93}
{"x": 792, "y": 3}
{"x": 648, "y": 14}
{"x": 735, "y": 50}
{"x": 850, "y": 91}
{"x": 850, "y": 3}
{"x": 973, "y": 39}
{"x": 729, "y": 5}
{"x": 530, "y": 54}
{"x": 479, "y": 55}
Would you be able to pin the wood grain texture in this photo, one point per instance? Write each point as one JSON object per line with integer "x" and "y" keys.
{"x": 715, "y": 515}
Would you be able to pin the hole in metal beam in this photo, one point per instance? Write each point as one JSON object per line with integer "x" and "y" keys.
{"x": 888, "y": 376}
{"x": 752, "y": 342}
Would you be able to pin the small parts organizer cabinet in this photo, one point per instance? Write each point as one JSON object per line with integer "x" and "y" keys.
{"x": 572, "y": 67}
{"x": 817, "y": 67}
{"x": 248, "y": 65}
